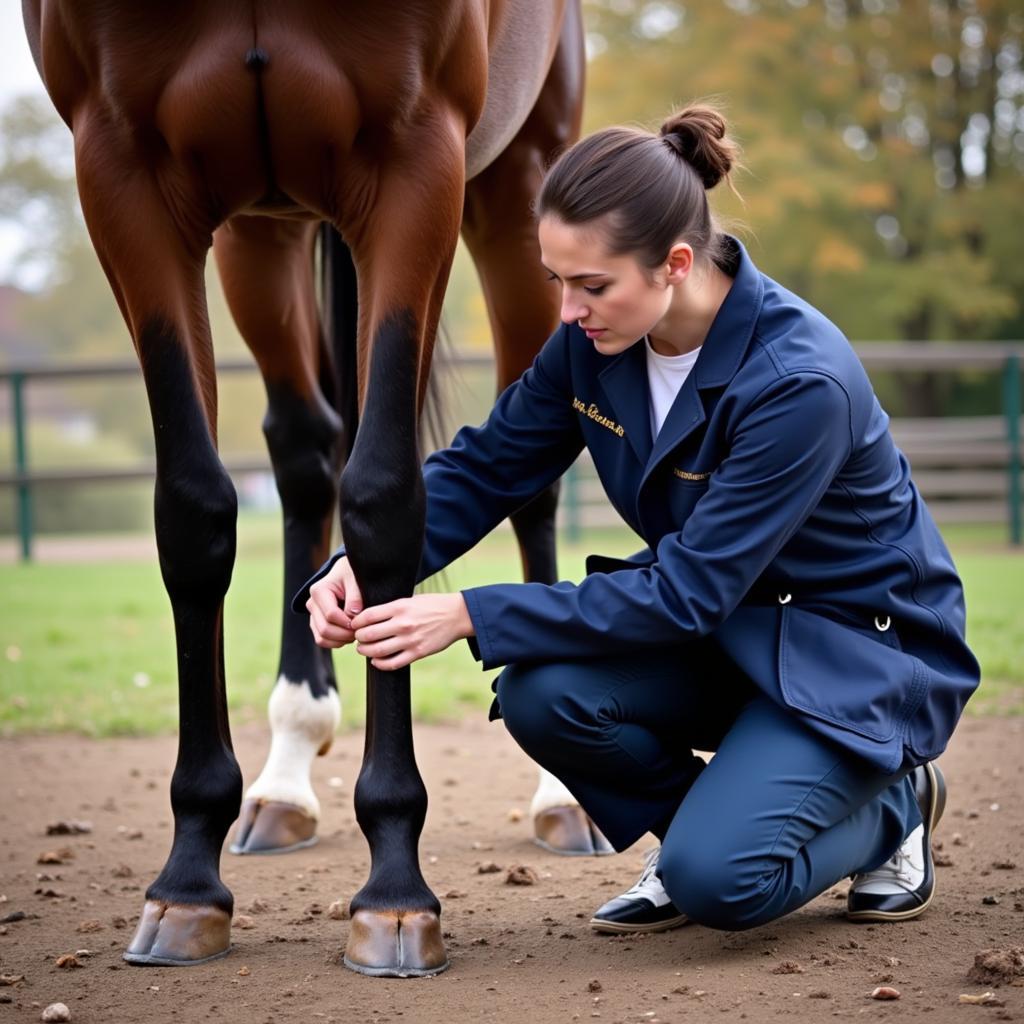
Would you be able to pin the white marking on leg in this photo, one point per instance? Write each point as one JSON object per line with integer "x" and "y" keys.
{"x": 300, "y": 726}
{"x": 550, "y": 793}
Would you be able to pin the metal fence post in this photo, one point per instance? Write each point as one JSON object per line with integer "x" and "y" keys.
{"x": 1011, "y": 407}
{"x": 572, "y": 504}
{"x": 24, "y": 510}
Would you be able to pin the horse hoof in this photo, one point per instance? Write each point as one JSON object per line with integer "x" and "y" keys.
{"x": 269, "y": 826}
{"x": 396, "y": 944}
{"x": 179, "y": 935}
{"x": 569, "y": 832}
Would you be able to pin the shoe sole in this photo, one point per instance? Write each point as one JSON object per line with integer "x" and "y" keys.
{"x": 937, "y": 806}
{"x": 622, "y": 928}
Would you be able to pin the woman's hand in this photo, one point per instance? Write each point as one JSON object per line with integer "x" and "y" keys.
{"x": 333, "y": 601}
{"x": 400, "y": 632}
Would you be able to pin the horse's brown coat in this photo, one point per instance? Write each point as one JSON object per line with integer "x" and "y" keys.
{"x": 242, "y": 124}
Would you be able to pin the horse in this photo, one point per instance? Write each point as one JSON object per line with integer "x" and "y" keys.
{"x": 250, "y": 128}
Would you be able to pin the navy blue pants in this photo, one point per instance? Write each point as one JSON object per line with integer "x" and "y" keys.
{"x": 778, "y": 815}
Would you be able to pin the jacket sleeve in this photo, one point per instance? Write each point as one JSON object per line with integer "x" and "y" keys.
{"x": 793, "y": 439}
{"x": 531, "y": 437}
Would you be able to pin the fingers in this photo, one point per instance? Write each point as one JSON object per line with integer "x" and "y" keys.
{"x": 329, "y": 624}
{"x": 379, "y": 613}
{"x": 386, "y": 642}
{"x": 353, "y": 599}
{"x": 326, "y": 633}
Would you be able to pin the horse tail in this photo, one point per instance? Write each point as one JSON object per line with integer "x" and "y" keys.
{"x": 339, "y": 376}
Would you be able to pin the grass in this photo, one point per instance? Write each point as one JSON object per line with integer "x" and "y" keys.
{"x": 89, "y": 648}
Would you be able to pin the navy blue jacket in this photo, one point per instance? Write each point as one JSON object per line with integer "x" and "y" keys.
{"x": 778, "y": 515}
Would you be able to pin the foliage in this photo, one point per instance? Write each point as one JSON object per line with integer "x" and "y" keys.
{"x": 885, "y": 140}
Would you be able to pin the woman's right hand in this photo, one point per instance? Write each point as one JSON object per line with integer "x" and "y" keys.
{"x": 333, "y": 602}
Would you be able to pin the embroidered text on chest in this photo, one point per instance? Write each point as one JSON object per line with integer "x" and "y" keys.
{"x": 593, "y": 413}
{"x": 686, "y": 475}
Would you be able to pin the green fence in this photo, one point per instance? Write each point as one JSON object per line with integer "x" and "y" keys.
{"x": 968, "y": 468}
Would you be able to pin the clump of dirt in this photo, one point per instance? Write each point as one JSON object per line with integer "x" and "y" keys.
{"x": 997, "y": 966}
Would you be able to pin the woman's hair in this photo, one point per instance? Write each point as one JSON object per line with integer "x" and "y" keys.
{"x": 649, "y": 190}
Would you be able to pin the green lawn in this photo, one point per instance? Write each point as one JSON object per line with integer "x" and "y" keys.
{"x": 90, "y": 647}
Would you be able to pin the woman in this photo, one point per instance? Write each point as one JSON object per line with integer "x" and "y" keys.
{"x": 795, "y": 609}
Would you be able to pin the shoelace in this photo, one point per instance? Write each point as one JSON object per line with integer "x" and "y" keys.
{"x": 896, "y": 869}
{"x": 648, "y": 879}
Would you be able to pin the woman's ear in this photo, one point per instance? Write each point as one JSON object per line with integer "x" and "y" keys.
{"x": 679, "y": 262}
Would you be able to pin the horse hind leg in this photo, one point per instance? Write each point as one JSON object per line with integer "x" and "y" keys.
{"x": 266, "y": 267}
{"x": 500, "y": 232}
{"x": 153, "y": 257}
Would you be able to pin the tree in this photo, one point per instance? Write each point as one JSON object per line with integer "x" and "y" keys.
{"x": 885, "y": 138}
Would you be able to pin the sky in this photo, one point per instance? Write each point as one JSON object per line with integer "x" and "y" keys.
{"x": 17, "y": 72}
{"x": 18, "y": 75}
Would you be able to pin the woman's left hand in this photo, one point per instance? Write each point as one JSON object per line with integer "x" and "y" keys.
{"x": 400, "y": 632}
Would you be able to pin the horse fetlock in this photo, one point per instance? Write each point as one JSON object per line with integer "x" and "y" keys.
{"x": 387, "y": 801}
{"x": 205, "y": 797}
{"x": 191, "y": 876}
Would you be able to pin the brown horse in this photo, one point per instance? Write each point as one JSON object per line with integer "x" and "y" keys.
{"x": 243, "y": 125}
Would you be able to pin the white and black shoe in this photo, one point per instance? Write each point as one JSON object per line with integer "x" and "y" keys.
{"x": 904, "y": 885}
{"x": 645, "y": 907}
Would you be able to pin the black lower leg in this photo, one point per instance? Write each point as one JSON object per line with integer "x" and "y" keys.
{"x": 534, "y": 526}
{"x": 303, "y": 437}
{"x": 195, "y": 512}
{"x": 383, "y": 515}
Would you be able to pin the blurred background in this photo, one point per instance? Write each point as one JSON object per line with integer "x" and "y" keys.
{"x": 884, "y": 151}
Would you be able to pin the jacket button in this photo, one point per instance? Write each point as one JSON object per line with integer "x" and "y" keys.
{"x": 785, "y": 598}
{"x": 882, "y": 624}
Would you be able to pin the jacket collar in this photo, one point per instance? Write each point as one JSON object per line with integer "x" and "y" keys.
{"x": 624, "y": 380}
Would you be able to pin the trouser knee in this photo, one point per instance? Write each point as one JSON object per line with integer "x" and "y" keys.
{"x": 539, "y": 711}
{"x": 717, "y": 890}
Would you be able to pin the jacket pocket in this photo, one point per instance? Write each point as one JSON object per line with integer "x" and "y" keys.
{"x": 853, "y": 676}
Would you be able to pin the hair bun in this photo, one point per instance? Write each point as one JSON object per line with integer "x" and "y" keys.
{"x": 698, "y": 135}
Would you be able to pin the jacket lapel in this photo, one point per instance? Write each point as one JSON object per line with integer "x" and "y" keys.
{"x": 625, "y": 384}
{"x": 720, "y": 356}
{"x": 685, "y": 416}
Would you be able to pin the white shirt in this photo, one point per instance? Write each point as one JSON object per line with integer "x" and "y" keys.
{"x": 665, "y": 376}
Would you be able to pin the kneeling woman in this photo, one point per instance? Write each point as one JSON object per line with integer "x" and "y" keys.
{"x": 794, "y": 610}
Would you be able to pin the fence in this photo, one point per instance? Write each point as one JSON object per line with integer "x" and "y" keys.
{"x": 968, "y": 468}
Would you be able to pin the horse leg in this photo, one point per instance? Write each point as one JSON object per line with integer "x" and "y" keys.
{"x": 266, "y": 267}
{"x": 153, "y": 253}
{"x": 402, "y": 255}
{"x": 501, "y": 235}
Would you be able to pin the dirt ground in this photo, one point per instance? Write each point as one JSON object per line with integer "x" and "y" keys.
{"x": 517, "y": 953}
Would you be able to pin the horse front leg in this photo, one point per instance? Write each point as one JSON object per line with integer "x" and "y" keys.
{"x": 266, "y": 267}
{"x": 153, "y": 256}
{"x": 403, "y": 257}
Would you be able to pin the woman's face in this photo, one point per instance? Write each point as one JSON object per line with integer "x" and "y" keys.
{"x": 613, "y": 298}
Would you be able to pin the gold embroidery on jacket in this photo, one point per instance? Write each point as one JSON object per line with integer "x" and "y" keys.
{"x": 593, "y": 413}
{"x": 685, "y": 475}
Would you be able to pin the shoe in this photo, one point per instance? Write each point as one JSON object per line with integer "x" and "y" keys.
{"x": 645, "y": 907}
{"x": 904, "y": 885}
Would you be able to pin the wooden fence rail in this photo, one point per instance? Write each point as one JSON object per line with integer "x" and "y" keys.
{"x": 968, "y": 468}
